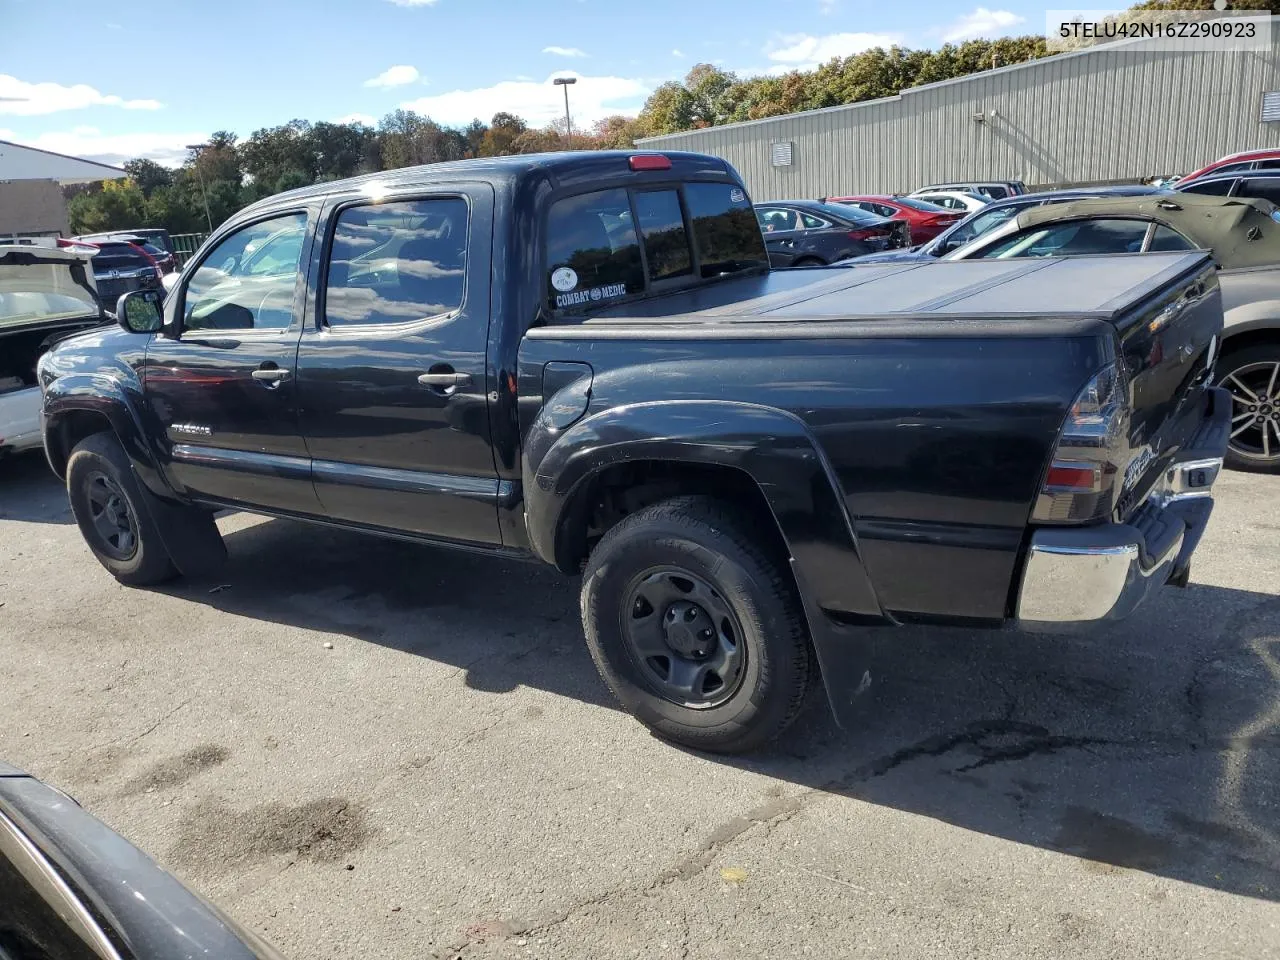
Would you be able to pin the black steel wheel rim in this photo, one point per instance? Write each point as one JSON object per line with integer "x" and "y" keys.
{"x": 112, "y": 517}
{"x": 1255, "y": 410}
{"x": 684, "y": 636}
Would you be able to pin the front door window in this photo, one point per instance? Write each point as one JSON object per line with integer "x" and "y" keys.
{"x": 247, "y": 282}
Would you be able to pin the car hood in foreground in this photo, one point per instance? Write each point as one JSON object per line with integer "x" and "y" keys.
{"x": 145, "y": 908}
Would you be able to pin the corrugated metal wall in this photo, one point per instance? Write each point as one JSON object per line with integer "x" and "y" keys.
{"x": 1109, "y": 114}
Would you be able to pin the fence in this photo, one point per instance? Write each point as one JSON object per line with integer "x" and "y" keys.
{"x": 186, "y": 244}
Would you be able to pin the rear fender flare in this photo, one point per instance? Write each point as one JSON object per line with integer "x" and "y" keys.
{"x": 773, "y": 447}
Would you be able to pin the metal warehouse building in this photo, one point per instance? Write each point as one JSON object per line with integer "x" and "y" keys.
{"x": 1116, "y": 113}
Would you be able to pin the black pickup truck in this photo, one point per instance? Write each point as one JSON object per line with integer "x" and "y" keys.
{"x": 585, "y": 359}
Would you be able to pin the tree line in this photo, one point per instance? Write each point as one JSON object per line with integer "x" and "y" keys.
{"x": 227, "y": 173}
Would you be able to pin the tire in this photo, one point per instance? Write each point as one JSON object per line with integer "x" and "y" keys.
{"x": 105, "y": 495}
{"x": 1253, "y": 370}
{"x": 809, "y": 262}
{"x": 746, "y": 596}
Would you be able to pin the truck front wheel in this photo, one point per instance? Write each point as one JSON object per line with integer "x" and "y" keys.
{"x": 108, "y": 504}
{"x": 695, "y": 628}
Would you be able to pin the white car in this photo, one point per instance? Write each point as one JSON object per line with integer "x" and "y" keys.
{"x": 957, "y": 200}
{"x": 46, "y": 293}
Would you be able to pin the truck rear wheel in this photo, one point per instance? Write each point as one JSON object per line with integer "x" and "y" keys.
{"x": 695, "y": 628}
{"x": 108, "y": 504}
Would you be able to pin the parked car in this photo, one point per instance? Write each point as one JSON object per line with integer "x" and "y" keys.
{"x": 1244, "y": 162}
{"x": 992, "y": 189}
{"x": 1260, "y": 185}
{"x": 1001, "y": 211}
{"x": 159, "y": 256}
{"x": 965, "y": 203}
{"x": 805, "y": 233}
{"x": 1244, "y": 237}
{"x": 45, "y": 293}
{"x": 156, "y": 236}
{"x": 926, "y": 220}
{"x": 74, "y": 889}
{"x": 739, "y": 462}
{"x": 120, "y": 266}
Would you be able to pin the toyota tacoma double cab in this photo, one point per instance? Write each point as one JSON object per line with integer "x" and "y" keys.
{"x": 584, "y": 359}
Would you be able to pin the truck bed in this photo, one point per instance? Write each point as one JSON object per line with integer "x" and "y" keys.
{"x": 1093, "y": 287}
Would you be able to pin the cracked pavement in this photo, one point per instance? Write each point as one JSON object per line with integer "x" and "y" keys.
{"x": 450, "y": 779}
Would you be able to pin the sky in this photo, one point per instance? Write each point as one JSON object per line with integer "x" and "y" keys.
{"x": 115, "y": 81}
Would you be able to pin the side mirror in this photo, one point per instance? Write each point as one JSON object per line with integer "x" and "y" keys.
{"x": 141, "y": 311}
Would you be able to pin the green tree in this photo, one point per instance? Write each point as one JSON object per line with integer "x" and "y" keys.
{"x": 669, "y": 109}
{"x": 617, "y": 132}
{"x": 119, "y": 205}
{"x": 148, "y": 175}
{"x": 500, "y": 138}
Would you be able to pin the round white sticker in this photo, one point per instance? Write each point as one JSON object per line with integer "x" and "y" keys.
{"x": 564, "y": 279}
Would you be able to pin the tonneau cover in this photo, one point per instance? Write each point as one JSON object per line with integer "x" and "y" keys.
{"x": 1101, "y": 287}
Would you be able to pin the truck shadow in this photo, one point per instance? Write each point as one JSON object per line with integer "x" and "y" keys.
{"x": 1151, "y": 746}
{"x": 29, "y": 491}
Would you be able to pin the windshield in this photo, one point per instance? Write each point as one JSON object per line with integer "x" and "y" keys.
{"x": 42, "y": 291}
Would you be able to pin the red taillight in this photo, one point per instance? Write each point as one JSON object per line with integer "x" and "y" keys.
{"x": 1075, "y": 477}
{"x": 650, "y": 161}
{"x": 867, "y": 233}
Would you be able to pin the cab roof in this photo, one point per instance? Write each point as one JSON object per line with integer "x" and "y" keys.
{"x": 565, "y": 168}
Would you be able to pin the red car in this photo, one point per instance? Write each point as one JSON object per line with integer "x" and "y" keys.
{"x": 926, "y": 220}
{"x": 1248, "y": 160}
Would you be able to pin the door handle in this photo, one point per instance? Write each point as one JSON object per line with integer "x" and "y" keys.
{"x": 450, "y": 379}
{"x": 271, "y": 375}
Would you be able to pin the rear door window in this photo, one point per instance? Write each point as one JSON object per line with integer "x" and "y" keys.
{"x": 1211, "y": 188}
{"x": 775, "y": 219}
{"x": 397, "y": 262}
{"x": 813, "y": 223}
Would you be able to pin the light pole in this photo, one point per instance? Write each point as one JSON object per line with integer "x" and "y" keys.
{"x": 200, "y": 174}
{"x": 567, "y": 82}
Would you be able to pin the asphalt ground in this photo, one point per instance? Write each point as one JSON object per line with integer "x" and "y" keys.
{"x": 364, "y": 748}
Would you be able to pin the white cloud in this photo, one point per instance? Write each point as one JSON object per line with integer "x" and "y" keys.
{"x": 981, "y": 23}
{"x": 677, "y": 53}
{"x": 91, "y": 144}
{"x": 799, "y": 51}
{"x": 590, "y": 99}
{"x": 564, "y": 51}
{"x": 396, "y": 76}
{"x": 23, "y": 99}
{"x": 367, "y": 119}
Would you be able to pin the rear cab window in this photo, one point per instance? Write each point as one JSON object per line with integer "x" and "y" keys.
{"x": 612, "y": 244}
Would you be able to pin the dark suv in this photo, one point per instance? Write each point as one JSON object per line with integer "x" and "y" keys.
{"x": 120, "y": 266}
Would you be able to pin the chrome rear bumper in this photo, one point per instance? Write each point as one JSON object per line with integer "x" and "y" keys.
{"x": 1083, "y": 575}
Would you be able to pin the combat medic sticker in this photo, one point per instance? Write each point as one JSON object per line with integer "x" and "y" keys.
{"x": 564, "y": 279}
{"x": 737, "y": 196}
